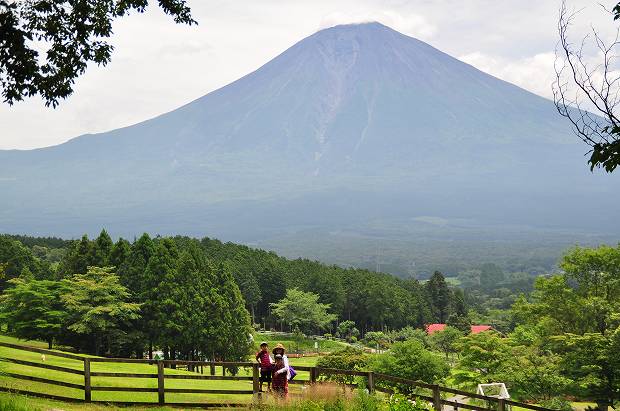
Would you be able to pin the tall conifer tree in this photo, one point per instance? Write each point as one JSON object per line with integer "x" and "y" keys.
{"x": 101, "y": 249}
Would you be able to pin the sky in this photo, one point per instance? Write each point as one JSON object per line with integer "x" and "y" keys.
{"x": 158, "y": 65}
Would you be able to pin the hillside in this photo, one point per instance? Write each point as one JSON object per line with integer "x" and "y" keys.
{"x": 355, "y": 129}
{"x": 37, "y": 386}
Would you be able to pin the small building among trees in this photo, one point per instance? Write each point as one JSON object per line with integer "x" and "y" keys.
{"x": 474, "y": 329}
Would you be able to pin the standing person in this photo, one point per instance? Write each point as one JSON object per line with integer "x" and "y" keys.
{"x": 266, "y": 363}
{"x": 280, "y": 350}
{"x": 280, "y": 378}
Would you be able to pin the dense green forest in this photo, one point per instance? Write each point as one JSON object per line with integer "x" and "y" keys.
{"x": 374, "y": 301}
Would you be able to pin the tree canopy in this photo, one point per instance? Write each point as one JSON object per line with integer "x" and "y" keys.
{"x": 72, "y": 33}
{"x": 303, "y": 310}
{"x": 577, "y": 316}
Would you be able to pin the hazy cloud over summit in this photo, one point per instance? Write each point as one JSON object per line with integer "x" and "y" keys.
{"x": 158, "y": 65}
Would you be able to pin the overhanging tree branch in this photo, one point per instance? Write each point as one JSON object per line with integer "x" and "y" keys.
{"x": 72, "y": 34}
{"x": 588, "y": 95}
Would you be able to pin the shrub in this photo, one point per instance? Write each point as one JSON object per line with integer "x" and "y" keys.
{"x": 348, "y": 359}
{"x": 557, "y": 403}
{"x": 363, "y": 401}
{"x": 327, "y": 397}
{"x": 401, "y": 403}
{"x": 410, "y": 333}
{"x": 376, "y": 338}
{"x": 410, "y": 360}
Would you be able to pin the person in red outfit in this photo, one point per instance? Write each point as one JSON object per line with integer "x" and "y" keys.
{"x": 279, "y": 381}
{"x": 266, "y": 363}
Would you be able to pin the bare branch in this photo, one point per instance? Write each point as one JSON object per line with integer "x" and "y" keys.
{"x": 587, "y": 94}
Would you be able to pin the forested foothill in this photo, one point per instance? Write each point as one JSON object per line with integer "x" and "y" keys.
{"x": 554, "y": 338}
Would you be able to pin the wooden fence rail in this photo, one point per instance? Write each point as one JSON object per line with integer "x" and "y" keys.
{"x": 373, "y": 381}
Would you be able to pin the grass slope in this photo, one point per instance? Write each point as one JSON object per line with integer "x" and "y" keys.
{"x": 7, "y": 381}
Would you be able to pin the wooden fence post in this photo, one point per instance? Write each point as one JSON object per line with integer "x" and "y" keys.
{"x": 161, "y": 399}
{"x": 255, "y": 380}
{"x": 501, "y": 405}
{"x": 87, "y": 385}
{"x": 313, "y": 375}
{"x": 371, "y": 382}
{"x": 436, "y": 398}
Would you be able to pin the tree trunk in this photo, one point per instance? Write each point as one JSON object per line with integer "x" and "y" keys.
{"x": 97, "y": 345}
{"x": 212, "y": 366}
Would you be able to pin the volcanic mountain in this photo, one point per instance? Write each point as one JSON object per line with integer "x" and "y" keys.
{"x": 354, "y": 124}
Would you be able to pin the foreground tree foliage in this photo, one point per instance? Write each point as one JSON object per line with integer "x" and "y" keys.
{"x": 73, "y": 34}
{"x": 578, "y": 318}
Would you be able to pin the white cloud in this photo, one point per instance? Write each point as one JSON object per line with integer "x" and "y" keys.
{"x": 412, "y": 24}
{"x": 158, "y": 65}
{"x": 533, "y": 73}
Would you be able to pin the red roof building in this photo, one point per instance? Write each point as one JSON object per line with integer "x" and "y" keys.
{"x": 431, "y": 328}
{"x": 475, "y": 329}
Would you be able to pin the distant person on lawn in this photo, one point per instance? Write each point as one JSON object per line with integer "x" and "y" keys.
{"x": 280, "y": 378}
{"x": 266, "y": 365}
{"x": 280, "y": 350}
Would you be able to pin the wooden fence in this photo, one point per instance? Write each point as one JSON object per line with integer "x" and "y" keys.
{"x": 373, "y": 382}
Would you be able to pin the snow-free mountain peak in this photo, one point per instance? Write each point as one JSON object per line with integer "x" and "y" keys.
{"x": 352, "y": 125}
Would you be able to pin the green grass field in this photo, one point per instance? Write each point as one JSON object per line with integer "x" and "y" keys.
{"x": 7, "y": 381}
{"x": 12, "y": 402}
{"x": 27, "y": 403}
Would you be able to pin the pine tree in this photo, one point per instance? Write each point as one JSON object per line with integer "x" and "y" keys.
{"x": 78, "y": 257}
{"x": 158, "y": 294}
{"x": 248, "y": 285}
{"x": 119, "y": 253}
{"x": 101, "y": 250}
{"x": 237, "y": 328}
{"x": 132, "y": 271}
{"x": 14, "y": 258}
{"x": 439, "y": 294}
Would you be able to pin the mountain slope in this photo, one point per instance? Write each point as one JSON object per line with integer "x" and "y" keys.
{"x": 353, "y": 124}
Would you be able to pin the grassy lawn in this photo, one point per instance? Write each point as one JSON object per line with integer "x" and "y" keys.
{"x": 7, "y": 381}
{"x": 40, "y": 404}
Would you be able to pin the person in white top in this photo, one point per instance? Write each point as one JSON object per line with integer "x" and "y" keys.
{"x": 279, "y": 349}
